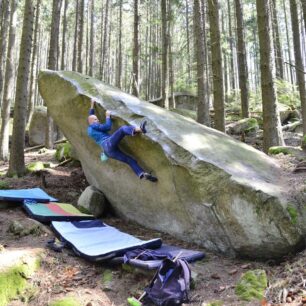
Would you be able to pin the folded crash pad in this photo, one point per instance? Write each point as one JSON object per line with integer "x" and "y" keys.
{"x": 54, "y": 212}
{"x": 19, "y": 195}
{"x": 96, "y": 241}
{"x": 152, "y": 259}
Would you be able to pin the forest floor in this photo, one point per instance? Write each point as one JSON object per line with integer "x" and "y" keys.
{"x": 63, "y": 274}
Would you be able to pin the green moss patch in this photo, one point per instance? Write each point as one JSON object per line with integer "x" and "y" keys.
{"x": 293, "y": 213}
{"x": 36, "y": 166}
{"x": 4, "y": 185}
{"x": 14, "y": 280}
{"x": 63, "y": 151}
{"x": 278, "y": 150}
{"x": 68, "y": 301}
{"x": 252, "y": 285}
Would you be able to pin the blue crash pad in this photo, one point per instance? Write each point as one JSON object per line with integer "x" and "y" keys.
{"x": 19, "y": 195}
{"x": 96, "y": 241}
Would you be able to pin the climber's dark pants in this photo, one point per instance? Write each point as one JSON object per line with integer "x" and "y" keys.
{"x": 111, "y": 149}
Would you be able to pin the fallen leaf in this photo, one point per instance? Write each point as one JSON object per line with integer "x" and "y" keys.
{"x": 232, "y": 272}
{"x": 246, "y": 266}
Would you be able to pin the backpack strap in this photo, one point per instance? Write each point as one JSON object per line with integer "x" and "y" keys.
{"x": 186, "y": 274}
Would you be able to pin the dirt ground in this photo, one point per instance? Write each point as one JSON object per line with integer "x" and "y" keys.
{"x": 63, "y": 274}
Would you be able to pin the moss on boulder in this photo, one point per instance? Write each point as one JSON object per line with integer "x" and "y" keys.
{"x": 252, "y": 285}
{"x": 67, "y": 301}
{"x": 63, "y": 151}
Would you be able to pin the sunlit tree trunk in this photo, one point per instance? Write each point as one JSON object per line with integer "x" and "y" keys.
{"x": 165, "y": 63}
{"x": 63, "y": 53}
{"x": 8, "y": 83}
{"x": 75, "y": 39}
{"x": 16, "y": 164}
{"x": 80, "y": 36}
{"x": 4, "y": 14}
{"x": 200, "y": 55}
{"x": 242, "y": 61}
{"x": 33, "y": 71}
{"x": 92, "y": 30}
{"x": 299, "y": 67}
{"x": 219, "y": 118}
{"x": 304, "y": 12}
{"x": 135, "y": 84}
{"x": 277, "y": 50}
{"x": 272, "y": 133}
{"x": 231, "y": 43}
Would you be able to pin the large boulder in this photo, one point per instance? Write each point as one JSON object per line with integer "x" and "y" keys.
{"x": 212, "y": 189}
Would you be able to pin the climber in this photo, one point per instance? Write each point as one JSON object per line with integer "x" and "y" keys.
{"x": 99, "y": 132}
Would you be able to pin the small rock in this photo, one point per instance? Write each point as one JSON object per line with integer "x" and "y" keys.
{"x": 232, "y": 272}
{"x": 246, "y": 266}
{"x": 215, "y": 276}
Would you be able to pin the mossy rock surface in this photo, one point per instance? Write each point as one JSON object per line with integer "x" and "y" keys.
{"x": 63, "y": 151}
{"x": 210, "y": 187}
{"x": 252, "y": 285}
{"x": 36, "y": 166}
{"x": 67, "y": 301}
{"x": 15, "y": 268}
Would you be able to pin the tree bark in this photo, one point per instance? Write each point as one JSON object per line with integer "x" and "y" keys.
{"x": 219, "y": 119}
{"x": 242, "y": 62}
{"x": 16, "y": 164}
{"x": 3, "y": 39}
{"x": 8, "y": 83}
{"x": 304, "y": 12}
{"x": 165, "y": 63}
{"x": 80, "y": 36}
{"x": 278, "y": 50}
{"x": 300, "y": 76}
{"x": 63, "y": 53}
{"x": 33, "y": 70}
{"x": 135, "y": 83}
{"x": 75, "y": 41}
{"x": 231, "y": 43}
{"x": 200, "y": 55}
{"x": 272, "y": 133}
{"x": 92, "y": 44}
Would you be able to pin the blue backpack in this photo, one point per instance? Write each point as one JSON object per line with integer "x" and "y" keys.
{"x": 170, "y": 285}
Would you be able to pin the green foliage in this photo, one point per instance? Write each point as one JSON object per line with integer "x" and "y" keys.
{"x": 107, "y": 276}
{"x": 215, "y": 303}
{"x": 63, "y": 151}
{"x": 252, "y": 285}
{"x": 293, "y": 213}
{"x": 68, "y": 301}
{"x": 278, "y": 150}
{"x": 287, "y": 94}
{"x": 4, "y": 185}
{"x": 35, "y": 166}
{"x": 13, "y": 281}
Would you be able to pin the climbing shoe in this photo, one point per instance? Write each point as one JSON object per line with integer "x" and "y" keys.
{"x": 149, "y": 177}
{"x": 143, "y": 126}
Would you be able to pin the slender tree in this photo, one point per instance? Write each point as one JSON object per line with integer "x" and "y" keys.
{"x": 216, "y": 58}
{"x": 33, "y": 73}
{"x": 64, "y": 31}
{"x": 231, "y": 43}
{"x": 8, "y": 84}
{"x": 203, "y": 103}
{"x": 165, "y": 49}
{"x": 4, "y": 14}
{"x": 242, "y": 61}
{"x": 75, "y": 41}
{"x": 92, "y": 30}
{"x": 80, "y": 36}
{"x": 277, "y": 50}
{"x": 299, "y": 67}
{"x": 272, "y": 133}
{"x": 304, "y": 12}
{"x": 135, "y": 84}
{"x": 16, "y": 164}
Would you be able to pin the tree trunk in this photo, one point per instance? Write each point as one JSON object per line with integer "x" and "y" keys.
{"x": 3, "y": 33}
{"x": 165, "y": 65}
{"x": 299, "y": 67}
{"x": 242, "y": 62}
{"x": 189, "y": 65}
{"x": 272, "y": 133}
{"x": 17, "y": 165}
{"x": 304, "y": 12}
{"x": 219, "y": 119}
{"x": 92, "y": 44}
{"x": 33, "y": 71}
{"x": 52, "y": 63}
{"x": 75, "y": 41}
{"x": 63, "y": 53}
{"x": 80, "y": 36}
{"x": 278, "y": 51}
{"x": 203, "y": 103}
{"x": 8, "y": 83}
{"x": 135, "y": 83}
{"x": 231, "y": 42}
